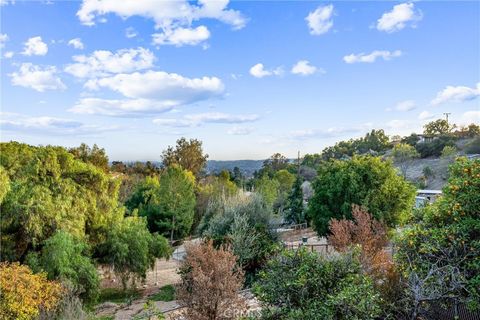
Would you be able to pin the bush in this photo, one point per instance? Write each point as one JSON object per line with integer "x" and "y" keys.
{"x": 473, "y": 147}
{"x": 24, "y": 295}
{"x": 434, "y": 147}
{"x": 303, "y": 285}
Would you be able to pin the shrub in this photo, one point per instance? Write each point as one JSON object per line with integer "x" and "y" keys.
{"x": 23, "y": 295}
{"x": 473, "y": 147}
{"x": 303, "y": 285}
{"x": 435, "y": 146}
{"x": 210, "y": 283}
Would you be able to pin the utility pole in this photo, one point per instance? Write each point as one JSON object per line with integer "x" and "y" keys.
{"x": 446, "y": 115}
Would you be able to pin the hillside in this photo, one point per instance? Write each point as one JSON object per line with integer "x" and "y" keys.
{"x": 247, "y": 167}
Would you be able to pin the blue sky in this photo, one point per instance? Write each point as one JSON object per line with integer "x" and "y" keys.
{"x": 247, "y": 78}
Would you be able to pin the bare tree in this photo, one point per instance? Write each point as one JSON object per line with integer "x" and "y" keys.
{"x": 210, "y": 283}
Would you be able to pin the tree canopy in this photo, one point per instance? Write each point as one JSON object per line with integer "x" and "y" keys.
{"x": 188, "y": 154}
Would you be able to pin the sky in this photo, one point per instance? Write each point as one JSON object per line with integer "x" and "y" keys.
{"x": 248, "y": 78}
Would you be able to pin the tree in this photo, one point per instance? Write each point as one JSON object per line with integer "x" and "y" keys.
{"x": 376, "y": 140}
{"x": 131, "y": 249}
{"x": 285, "y": 182}
{"x": 298, "y": 284}
{"x": 403, "y": 154}
{"x": 364, "y": 180}
{"x": 412, "y": 139}
{"x": 210, "y": 283}
{"x": 25, "y": 295}
{"x": 438, "y": 127}
{"x": 438, "y": 252}
{"x": 95, "y": 155}
{"x": 188, "y": 154}
{"x": 295, "y": 212}
{"x": 4, "y": 183}
{"x": 65, "y": 258}
{"x": 176, "y": 202}
{"x": 268, "y": 189}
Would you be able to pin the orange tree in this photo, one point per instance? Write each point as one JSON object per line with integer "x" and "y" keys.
{"x": 23, "y": 295}
{"x": 439, "y": 253}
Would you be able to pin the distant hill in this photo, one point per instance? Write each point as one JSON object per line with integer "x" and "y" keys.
{"x": 247, "y": 167}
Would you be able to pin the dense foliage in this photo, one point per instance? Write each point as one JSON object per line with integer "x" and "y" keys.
{"x": 24, "y": 295}
{"x": 188, "y": 154}
{"x": 304, "y": 285}
{"x": 295, "y": 212}
{"x": 439, "y": 252}
{"x": 364, "y": 180}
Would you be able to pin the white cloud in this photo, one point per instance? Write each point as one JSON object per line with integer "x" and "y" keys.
{"x": 181, "y": 36}
{"x": 328, "y": 133}
{"x": 425, "y": 115}
{"x": 49, "y": 125}
{"x": 470, "y": 117}
{"x": 130, "y": 33}
{"x": 240, "y": 131}
{"x": 8, "y": 54}
{"x": 397, "y": 19}
{"x": 398, "y": 124}
{"x": 320, "y": 20}
{"x": 406, "y": 105}
{"x": 168, "y": 16}
{"x": 103, "y": 62}
{"x": 170, "y": 88}
{"x": 76, "y": 43}
{"x": 3, "y": 39}
{"x": 456, "y": 94}
{"x": 35, "y": 46}
{"x": 304, "y": 68}
{"x": 259, "y": 71}
{"x": 37, "y": 78}
{"x": 194, "y": 120}
{"x": 120, "y": 108}
{"x": 372, "y": 57}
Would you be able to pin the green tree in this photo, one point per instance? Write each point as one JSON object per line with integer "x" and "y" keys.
{"x": 94, "y": 155}
{"x": 285, "y": 182}
{"x": 67, "y": 259}
{"x": 188, "y": 154}
{"x": 132, "y": 249}
{"x": 176, "y": 202}
{"x": 403, "y": 154}
{"x": 268, "y": 189}
{"x": 304, "y": 285}
{"x": 364, "y": 180}
{"x": 438, "y": 127}
{"x": 295, "y": 212}
{"x": 439, "y": 251}
{"x": 4, "y": 184}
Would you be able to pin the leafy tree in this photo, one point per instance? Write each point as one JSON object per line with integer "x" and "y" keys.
{"x": 312, "y": 160}
{"x": 411, "y": 139}
{"x": 67, "y": 259}
{"x": 94, "y": 155}
{"x": 268, "y": 189}
{"x": 363, "y": 180}
{"x": 298, "y": 284}
{"x": 4, "y": 184}
{"x": 210, "y": 283}
{"x": 403, "y": 154}
{"x": 295, "y": 212}
{"x": 188, "y": 154}
{"x": 438, "y": 127}
{"x": 285, "y": 182}
{"x": 439, "y": 252}
{"x": 435, "y": 146}
{"x": 24, "y": 295}
{"x": 376, "y": 140}
{"x": 132, "y": 249}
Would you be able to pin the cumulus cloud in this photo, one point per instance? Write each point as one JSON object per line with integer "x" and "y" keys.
{"x": 104, "y": 63}
{"x": 194, "y": 120}
{"x": 174, "y": 18}
{"x": 181, "y": 36}
{"x": 8, "y": 54}
{"x": 259, "y": 71}
{"x": 456, "y": 94}
{"x": 401, "y": 15}
{"x": 37, "y": 78}
{"x": 169, "y": 88}
{"x": 320, "y": 21}
{"x": 49, "y": 125}
{"x": 76, "y": 43}
{"x": 470, "y": 117}
{"x": 329, "y": 132}
{"x": 372, "y": 57}
{"x": 304, "y": 68}
{"x": 121, "y": 108}
{"x": 130, "y": 33}
{"x": 240, "y": 131}
{"x": 3, "y": 39}
{"x": 35, "y": 47}
{"x": 399, "y": 124}
{"x": 425, "y": 115}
